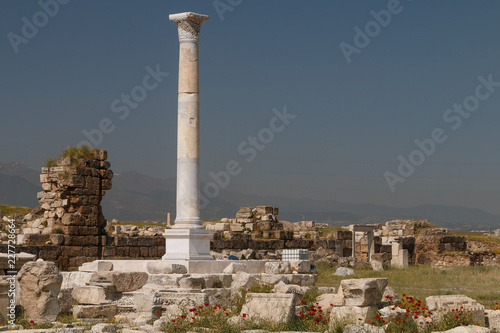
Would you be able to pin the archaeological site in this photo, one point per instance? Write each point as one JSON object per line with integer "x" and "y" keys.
{"x": 75, "y": 271}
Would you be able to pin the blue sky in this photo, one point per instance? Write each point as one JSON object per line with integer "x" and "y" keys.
{"x": 353, "y": 119}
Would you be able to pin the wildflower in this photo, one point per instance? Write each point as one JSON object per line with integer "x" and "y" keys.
{"x": 244, "y": 315}
{"x": 31, "y": 321}
{"x": 200, "y": 307}
{"x": 331, "y": 304}
{"x": 173, "y": 320}
{"x": 360, "y": 319}
{"x": 227, "y": 314}
{"x": 206, "y": 304}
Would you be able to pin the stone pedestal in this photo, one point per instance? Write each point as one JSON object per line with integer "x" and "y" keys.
{"x": 188, "y": 239}
{"x": 192, "y": 244}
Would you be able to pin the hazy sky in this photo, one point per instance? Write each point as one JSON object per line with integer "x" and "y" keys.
{"x": 364, "y": 80}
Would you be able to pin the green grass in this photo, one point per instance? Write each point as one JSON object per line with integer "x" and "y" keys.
{"x": 75, "y": 153}
{"x": 480, "y": 283}
{"x": 9, "y": 210}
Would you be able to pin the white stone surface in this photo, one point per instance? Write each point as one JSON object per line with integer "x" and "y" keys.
{"x": 363, "y": 292}
{"x": 273, "y": 307}
{"x": 344, "y": 271}
{"x": 89, "y": 295}
{"x": 353, "y": 314}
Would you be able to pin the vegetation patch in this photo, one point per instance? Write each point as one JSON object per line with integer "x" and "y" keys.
{"x": 77, "y": 155}
{"x": 9, "y": 210}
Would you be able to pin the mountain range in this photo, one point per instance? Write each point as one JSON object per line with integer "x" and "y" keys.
{"x": 137, "y": 197}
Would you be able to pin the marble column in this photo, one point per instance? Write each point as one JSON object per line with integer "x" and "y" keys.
{"x": 188, "y": 239}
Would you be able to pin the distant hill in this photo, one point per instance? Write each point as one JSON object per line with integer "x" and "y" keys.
{"x": 139, "y": 197}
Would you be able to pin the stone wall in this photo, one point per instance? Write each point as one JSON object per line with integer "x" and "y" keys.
{"x": 70, "y": 257}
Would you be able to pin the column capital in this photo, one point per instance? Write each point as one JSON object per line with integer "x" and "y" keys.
{"x": 189, "y": 25}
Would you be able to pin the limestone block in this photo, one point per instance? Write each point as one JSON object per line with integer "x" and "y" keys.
{"x": 167, "y": 280}
{"x": 96, "y": 266}
{"x": 493, "y": 319}
{"x": 90, "y": 295}
{"x": 243, "y": 280}
{"x": 278, "y": 267}
{"x": 95, "y": 311}
{"x": 236, "y": 226}
{"x": 222, "y": 227}
{"x": 103, "y": 328}
{"x": 217, "y": 295}
{"x": 344, "y": 271}
{"x": 445, "y": 303}
{"x": 192, "y": 283}
{"x": 274, "y": 278}
{"x": 123, "y": 281}
{"x": 365, "y": 328}
{"x": 235, "y": 267}
{"x": 272, "y": 307}
{"x": 149, "y": 303}
{"x": 376, "y": 265}
{"x": 75, "y": 279}
{"x": 65, "y": 300}
{"x": 217, "y": 280}
{"x": 467, "y": 329}
{"x": 161, "y": 267}
{"x": 353, "y": 314}
{"x": 183, "y": 299}
{"x": 326, "y": 301}
{"x": 300, "y": 266}
{"x": 39, "y": 284}
{"x": 363, "y": 292}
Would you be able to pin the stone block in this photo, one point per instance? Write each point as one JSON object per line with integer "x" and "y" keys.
{"x": 353, "y": 314}
{"x": 123, "y": 281}
{"x": 161, "y": 267}
{"x": 243, "y": 280}
{"x": 89, "y": 295}
{"x": 95, "y": 311}
{"x": 278, "y": 267}
{"x": 183, "y": 299}
{"x": 192, "y": 283}
{"x": 235, "y": 267}
{"x": 376, "y": 265}
{"x": 365, "y": 328}
{"x": 300, "y": 266}
{"x": 236, "y": 227}
{"x": 96, "y": 266}
{"x": 363, "y": 292}
{"x": 103, "y": 328}
{"x": 344, "y": 271}
{"x": 272, "y": 307}
{"x": 493, "y": 317}
{"x": 167, "y": 280}
{"x": 445, "y": 303}
{"x": 39, "y": 284}
{"x": 325, "y": 300}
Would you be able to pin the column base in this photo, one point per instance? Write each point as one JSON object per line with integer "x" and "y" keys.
{"x": 187, "y": 244}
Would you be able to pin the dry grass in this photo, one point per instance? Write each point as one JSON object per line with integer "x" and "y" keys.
{"x": 479, "y": 283}
{"x": 9, "y": 210}
{"x": 481, "y": 237}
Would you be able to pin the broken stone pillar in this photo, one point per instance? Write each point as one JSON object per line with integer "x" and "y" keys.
{"x": 399, "y": 255}
{"x": 39, "y": 284}
{"x": 188, "y": 239}
{"x": 371, "y": 246}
